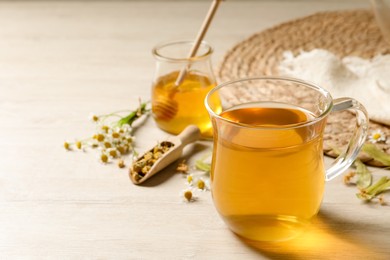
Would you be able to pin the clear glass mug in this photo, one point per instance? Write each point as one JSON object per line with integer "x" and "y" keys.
{"x": 267, "y": 172}
{"x": 179, "y": 103}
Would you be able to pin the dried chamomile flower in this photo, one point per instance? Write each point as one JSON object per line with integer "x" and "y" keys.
{"x": 121, "y": 163}
{"x": 182, "y": 167}
{"x": 188, "y": 195}
{"x": 377, "y": 136}
{"x": 142, "y": 165}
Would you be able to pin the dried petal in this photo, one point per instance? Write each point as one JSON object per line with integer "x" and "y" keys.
{"x": 121, "y": 163}
{"x": 182, "y": 167}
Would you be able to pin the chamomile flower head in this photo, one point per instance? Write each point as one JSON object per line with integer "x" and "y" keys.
{"x": 78, "y": 144}
{"x": 190, "y": 179}
{"x": 99, "y": 137}
{"x": 188, "y": 195}
{"x": 115, "y": 135}
{"x": 112, "y": 138}
{"x": 125, "y": 128}
{"x": 107, "y": 144}
{"x": 202, "y": 184}
{"x": 377, "y": 136}
{"x": 94, "y": 118}
{"x": 67, "y": 145}
{"x": 123, "y": 149}
{"x": 104, "y": 129}
{"x": 113, "y": 152}
{"x": 127, "y": 138}
{"x": 104, "y": 157}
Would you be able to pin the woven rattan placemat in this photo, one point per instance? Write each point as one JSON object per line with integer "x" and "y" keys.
{"x": 345, "y": 33}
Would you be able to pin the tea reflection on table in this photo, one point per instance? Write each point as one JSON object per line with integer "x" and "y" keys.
{"x": 329, "y": 235}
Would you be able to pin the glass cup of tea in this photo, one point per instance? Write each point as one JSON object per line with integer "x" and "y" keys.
{"x": 267, "y": 173}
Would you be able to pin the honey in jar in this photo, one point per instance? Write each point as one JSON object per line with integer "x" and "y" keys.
{"x": 179, "y": 103}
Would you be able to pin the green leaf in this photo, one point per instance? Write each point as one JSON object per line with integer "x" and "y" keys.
{"x": 364, "y": 176}
{"x": 377, "y": 154}
{"x": 134, "y": 115}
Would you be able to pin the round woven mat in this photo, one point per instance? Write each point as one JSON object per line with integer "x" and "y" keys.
{"x": 345, "y": 33}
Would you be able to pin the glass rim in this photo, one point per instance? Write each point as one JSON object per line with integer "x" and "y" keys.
{"x": 157, "y": 54}
{"x": 310, "y": 85}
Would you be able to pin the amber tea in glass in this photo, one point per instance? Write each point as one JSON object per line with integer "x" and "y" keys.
{"x": 268, "y": 175}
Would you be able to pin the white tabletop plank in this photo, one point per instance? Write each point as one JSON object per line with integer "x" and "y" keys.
{"x": 61, "y": 60}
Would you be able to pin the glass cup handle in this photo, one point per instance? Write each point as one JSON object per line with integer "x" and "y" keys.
{"x": 347, "y": 157}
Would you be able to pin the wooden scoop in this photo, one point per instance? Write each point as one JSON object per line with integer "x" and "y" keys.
{"x": 174, "y": 147}
{"x": 167, "y": 108}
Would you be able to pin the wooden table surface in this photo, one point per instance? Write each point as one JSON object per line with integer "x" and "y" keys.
{"x": 61, "y": 60}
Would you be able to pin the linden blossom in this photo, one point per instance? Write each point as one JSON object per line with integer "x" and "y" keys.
{"x": 369, "y": 191}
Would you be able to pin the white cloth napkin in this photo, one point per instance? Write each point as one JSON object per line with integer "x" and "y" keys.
{"x": 368, "y": 81}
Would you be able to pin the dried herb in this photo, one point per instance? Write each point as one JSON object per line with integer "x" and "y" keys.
{"x": 143, "y": 164}
{"x": 182, "y": 167}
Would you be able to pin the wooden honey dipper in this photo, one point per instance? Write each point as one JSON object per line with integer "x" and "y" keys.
{"x": 165, "y": 108}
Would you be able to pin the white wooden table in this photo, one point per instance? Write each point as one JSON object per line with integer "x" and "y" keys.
{"x": 61, "y": 60}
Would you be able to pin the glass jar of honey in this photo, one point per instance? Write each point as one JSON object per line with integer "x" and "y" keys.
{"x": 180, "y": 85}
